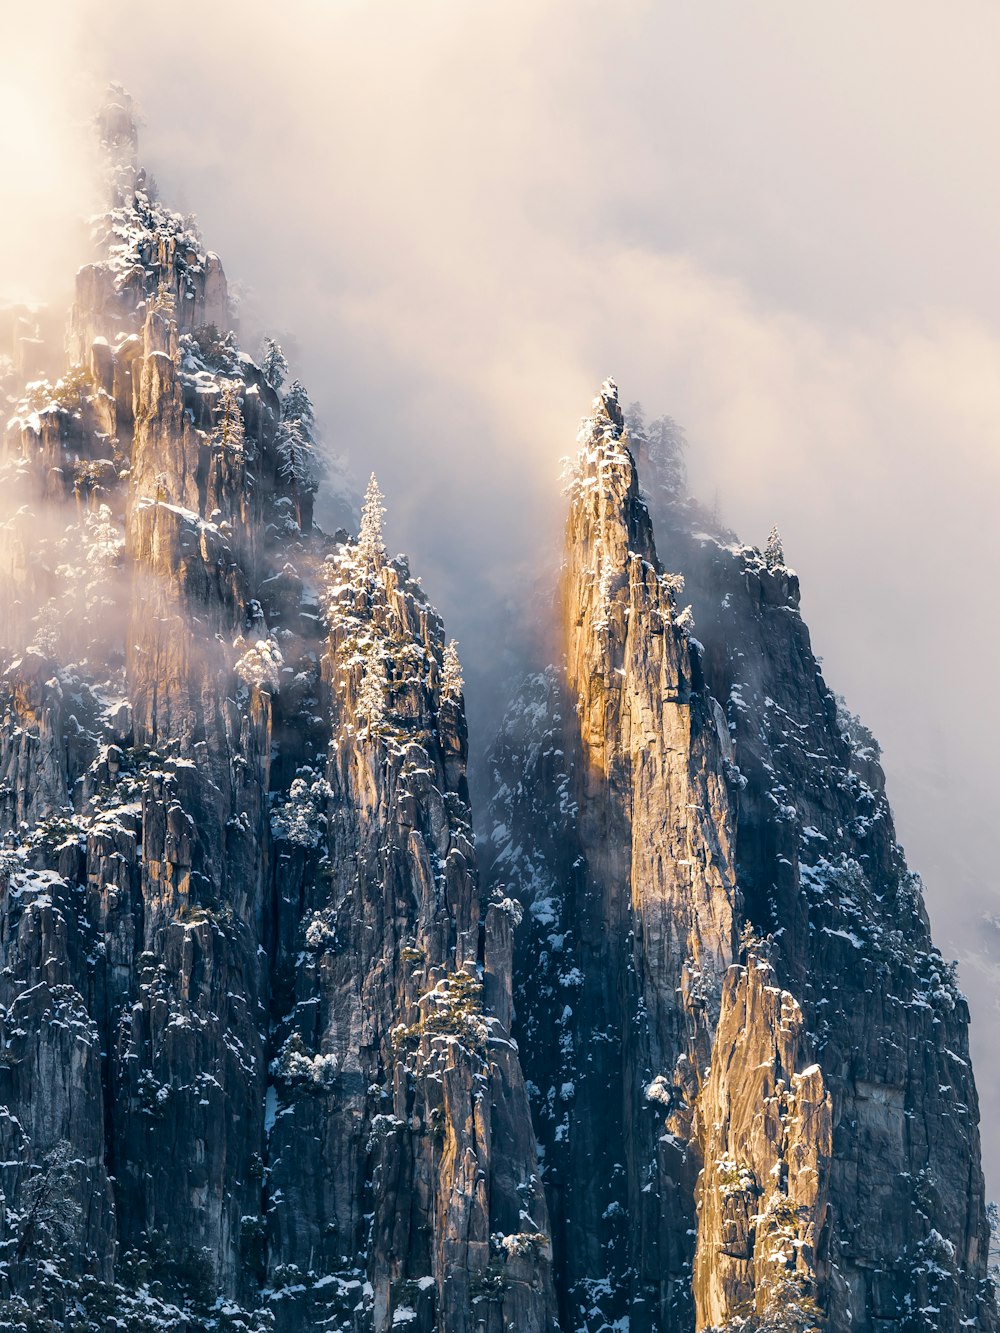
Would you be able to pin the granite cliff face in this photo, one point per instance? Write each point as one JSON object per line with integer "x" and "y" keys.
{"x": 755, "y": 1106}
{"x": 280, "y": 1046}
{"x": 633, "y": 924}
{"x": 256, "y": 1069}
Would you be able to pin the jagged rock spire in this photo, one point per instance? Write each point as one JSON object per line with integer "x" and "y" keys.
{"x": 118, "y": 132}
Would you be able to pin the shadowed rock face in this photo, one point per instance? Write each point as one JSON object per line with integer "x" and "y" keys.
{"x": 772, "y": 1143}
{"x": 255, "y": 1061}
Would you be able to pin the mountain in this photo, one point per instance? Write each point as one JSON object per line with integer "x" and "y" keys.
{"x": 283, "y": 1045}
{"x": 255, "y": 1067}
{"x": 749, "y": 1067}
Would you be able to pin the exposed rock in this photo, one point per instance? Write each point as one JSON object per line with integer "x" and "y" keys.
{"x": 270, "y": 1056}
{"x": 243, "y": 1033}
{"x": 633, "y": 784}
{"x": 764, "y": 1125}
{"x": 620, "y": 815}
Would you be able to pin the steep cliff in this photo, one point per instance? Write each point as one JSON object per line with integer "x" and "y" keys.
{"x": 768, "y": 1143}
{"x": 255, "y": 1065}
{"x": 821, "y": 870}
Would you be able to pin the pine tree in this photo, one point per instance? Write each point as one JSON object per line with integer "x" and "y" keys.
{"x": 102, "y": 539}
{"x": 371, "y": 542}
{"x": 371, "y": 696}
{"x": 229, "y": 430}
{"x": 273, "y": 365}
{"x": 452, "y": 682}
{"x": 296, "y": 454}
{"x": 48, "y": 624}
{"x": 774, "y": 551}
{"x": 165, "y": 300}
{"x": 261, "y": 664}
{"x": 659, "y": 444}
{"x": 296, "y": 443}
{"x": 298, "y": 404}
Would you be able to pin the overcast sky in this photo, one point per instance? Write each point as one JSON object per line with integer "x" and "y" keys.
{"x": 776, "y": 221}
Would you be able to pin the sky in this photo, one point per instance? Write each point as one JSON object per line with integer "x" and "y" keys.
{"x": 776, "y": 222}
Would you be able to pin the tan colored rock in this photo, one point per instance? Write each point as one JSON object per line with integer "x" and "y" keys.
{"x": 764, "y": 1124}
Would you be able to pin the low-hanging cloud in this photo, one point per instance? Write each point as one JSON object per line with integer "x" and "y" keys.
{"x": 775, "y": 222}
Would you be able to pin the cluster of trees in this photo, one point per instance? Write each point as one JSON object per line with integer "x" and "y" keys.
{"x": 298, "y": 461}
{"x": 663, "y": 443}
{"x": 371, "y": 553}
{"x": 296, "y": 445}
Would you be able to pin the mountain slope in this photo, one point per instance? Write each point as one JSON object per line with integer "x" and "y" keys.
{"x": 255, "y": 1067}
{"x": 798, "y": 1131}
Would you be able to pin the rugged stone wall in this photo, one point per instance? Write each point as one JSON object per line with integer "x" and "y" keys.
{"x": 764, "y": 1130}
{"x": 400, "y": 1128}
{"x": 615, "y": 830}
{"x": 824, "y": 1126}
{"x": 820, "y": 868}
{"x": 654, "y": 831}
{"x": 249, "y": 1072}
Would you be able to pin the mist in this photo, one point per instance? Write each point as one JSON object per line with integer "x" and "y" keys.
{"x": 775, "y": 222}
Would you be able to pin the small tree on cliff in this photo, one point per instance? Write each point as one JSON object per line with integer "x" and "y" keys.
{"x": 296, "y": 440}
{"x": 452, "y": 682}
{"x": 296, "y": 454}
{"x": 297, "y": 405}
{"x": 774, "y": 551}
{"x": 102, "y": 539}
{"x": 371, "y": 541}
{"x": 48, "y": 1205}
{"x": 273, "y": 365}
{"x": 374, "y": 683}
{"x": 229, "y": 429}
{"x": 661, "y": 444}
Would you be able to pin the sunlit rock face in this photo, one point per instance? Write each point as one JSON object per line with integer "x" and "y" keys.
{"x": 256, "y": 1065}
{"x": 281, "y": 1047}
{"x": 633, "y": 910}
{"x": 748, "y": 1066}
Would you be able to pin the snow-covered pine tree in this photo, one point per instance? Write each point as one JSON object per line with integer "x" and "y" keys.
{"x": 229, "y": 430}
{"x": 273, "y": 364}
{"x": 102, "y": 538}
{"x": 635, "y": 420}
{"x": 48, "y": 624}
{"x": 298, "y": 404}
{"x": 261, "y": 664}
{"x": 371, "y": 696}
{"x": 296, "y": 454}
{"x": 296, "y": 442}
{"x": 49, "y": 1205}
{"x": 452, "y": 681}
{"x": 371, "y": 542}
{"x": 774, "y": 551}
{"x": 165, "y": 300}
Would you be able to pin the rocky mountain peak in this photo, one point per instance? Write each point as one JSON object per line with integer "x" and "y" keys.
{"x": 715, "y": 904}
{"x": 239, "y": 871}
